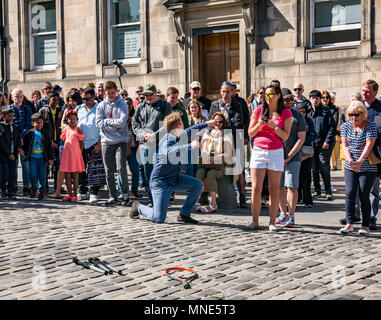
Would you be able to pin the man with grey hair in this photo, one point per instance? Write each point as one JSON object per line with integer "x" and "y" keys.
{"x": 100, "y": 90}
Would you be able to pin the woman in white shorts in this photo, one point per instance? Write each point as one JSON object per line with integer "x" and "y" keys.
{"x": 270, "y": 125}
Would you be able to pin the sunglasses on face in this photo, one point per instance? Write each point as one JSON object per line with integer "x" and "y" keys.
{"x": 86, "y": 99}
{"x": 48, "y": 88}
{"x": 139, "y": 92}
{"x": 261, "y": 92}
{"x": 325, "y": 97}
{"x": 148, "y": 94}
{"x": 196, "y": 89}
{"x": 270, "y": 95}
{"x": 289, "y": 99}
{"x": 298, "y": 89}
{"x": 354, "y": 115}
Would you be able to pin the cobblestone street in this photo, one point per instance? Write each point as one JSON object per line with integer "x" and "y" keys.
{"x": 38, "y": 241}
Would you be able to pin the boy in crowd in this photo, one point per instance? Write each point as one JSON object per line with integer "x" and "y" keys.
{"x": 38, "y": 151}
{"x": 166, "y": 177}
{"x": 10, "y": 148}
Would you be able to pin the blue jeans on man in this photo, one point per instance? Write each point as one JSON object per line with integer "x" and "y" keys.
{"x": 38, "y": 173}
{"x": 133, "y": 164}
{"x": 147, "y": 161}
{"x": 161, "y": 192}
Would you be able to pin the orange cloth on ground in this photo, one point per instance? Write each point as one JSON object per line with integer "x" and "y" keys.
{"x": 71, "y": 159}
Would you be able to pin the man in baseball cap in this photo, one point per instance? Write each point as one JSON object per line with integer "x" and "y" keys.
{"x": 149, "y": 89}
{"x": 195, "y": 93}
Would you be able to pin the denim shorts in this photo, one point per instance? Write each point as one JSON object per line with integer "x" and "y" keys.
{"x": 267, "y": 159}
{"x": 290, "y": 175}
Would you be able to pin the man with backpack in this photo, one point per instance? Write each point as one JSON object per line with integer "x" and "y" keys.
{"x": 146, "y": 124}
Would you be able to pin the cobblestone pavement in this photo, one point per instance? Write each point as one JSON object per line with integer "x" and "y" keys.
{"x": 38, "y": 241}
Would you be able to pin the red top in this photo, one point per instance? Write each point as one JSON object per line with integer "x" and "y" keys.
{"x": 266, "y": 137}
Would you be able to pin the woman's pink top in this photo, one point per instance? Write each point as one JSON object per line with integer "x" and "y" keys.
{"x": 266, "y": 138}
{"x": 71, "y": 159}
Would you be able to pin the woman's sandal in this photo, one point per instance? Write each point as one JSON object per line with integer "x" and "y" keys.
{"x": 67, "y": 199}
{"x": 209, "y": 209}
{"x": 197, "y": 207}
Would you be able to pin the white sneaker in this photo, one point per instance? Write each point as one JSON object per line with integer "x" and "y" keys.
{"x": 81, "y": 197}
{"x": 93, "y": 198}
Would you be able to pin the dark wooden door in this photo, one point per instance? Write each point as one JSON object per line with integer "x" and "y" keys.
{"x": 219, "y": 61}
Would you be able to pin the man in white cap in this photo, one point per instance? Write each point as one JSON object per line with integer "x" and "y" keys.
{"x": 195, "y": 93}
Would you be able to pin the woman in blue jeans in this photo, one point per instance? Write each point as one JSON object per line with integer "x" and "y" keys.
{"x": 358, "y": 136}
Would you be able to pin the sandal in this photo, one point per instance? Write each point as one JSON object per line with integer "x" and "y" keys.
{"x": 66, "y": 199}
{"x": 209, "y": 209}
{"x": 55, "y": 196}
{"x": 197, "y": 207}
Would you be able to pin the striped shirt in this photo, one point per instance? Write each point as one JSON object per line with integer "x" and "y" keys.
{"x": 356, "y": 143}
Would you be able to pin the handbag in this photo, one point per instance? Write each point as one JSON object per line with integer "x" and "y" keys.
{"x": 307, "y": 150}
{"x": 96, "y": 175}
{"x": 373, "y": 159}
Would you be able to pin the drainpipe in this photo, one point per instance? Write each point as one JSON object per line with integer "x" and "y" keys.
{"x": 2, "y": 48}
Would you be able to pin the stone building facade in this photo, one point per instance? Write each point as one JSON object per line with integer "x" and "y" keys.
{"x": 333, "y": 45}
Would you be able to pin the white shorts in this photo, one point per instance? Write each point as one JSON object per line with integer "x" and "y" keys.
{"x": 267, "y": 159}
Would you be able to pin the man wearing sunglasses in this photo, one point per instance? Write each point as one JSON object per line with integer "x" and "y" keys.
{"x": 139, "y": 97}
{"x": 299, "y": 98}
{"x": 44, "y": 101}
{"x": 290, "y": 176}
{"x": 87, "y": 123}
{"x": 195, "y": 93}
{"x": 325, "y": 128}
{"x": 147, "y": 126}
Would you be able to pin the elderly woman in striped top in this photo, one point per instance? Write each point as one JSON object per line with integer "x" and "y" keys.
{"x": 358, "y": 136}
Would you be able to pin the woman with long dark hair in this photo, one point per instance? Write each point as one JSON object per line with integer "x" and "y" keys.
{"x": 270, "y": 125}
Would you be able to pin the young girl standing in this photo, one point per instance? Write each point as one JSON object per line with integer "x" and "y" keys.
{"x": 71, "y": 159}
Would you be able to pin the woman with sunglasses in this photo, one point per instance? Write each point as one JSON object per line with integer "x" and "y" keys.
{"x": 334, "y": 148}
{"x": 216, "y": 150}
{"x": 270, "y": 125}
{"x": 358, "y": 136}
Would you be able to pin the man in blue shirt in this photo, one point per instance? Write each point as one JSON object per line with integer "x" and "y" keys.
{"x": 166, "y": 177}
{"x": 92, "y": 147}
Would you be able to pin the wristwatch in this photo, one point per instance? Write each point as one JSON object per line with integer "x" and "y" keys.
{"x": 276, "y": 127}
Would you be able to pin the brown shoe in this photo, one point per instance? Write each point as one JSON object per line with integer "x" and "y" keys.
{"x": 134, "y": 214}
{"x": 204, "y": 201}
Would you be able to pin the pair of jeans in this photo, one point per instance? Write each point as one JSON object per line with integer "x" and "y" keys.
{"x": 8, "y": 176}
{"x": 361, "y": 183}
{"x": 161, "y": 192}
{"x": 25, "y": 173}
{"x": 147, "y": 161}
{"x": 305, "y": 181}
{"x": 115, "y": 159}
{"x": 82, "y": 177}
{"x": 133, "y": 164}
{"x": 374, "y": 198}
{"x": 38, "y": 173}
{"x": 321, "y": 165}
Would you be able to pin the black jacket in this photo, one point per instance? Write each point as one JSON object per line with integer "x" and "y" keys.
{"x": 51, "y": 126}
{"x": 245, "y": 114}
{"x": 46, "y": 144}
{"x": 325, "y": 126}
{"x": 235, "y": 120}
{"x": 6, "y": 138}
